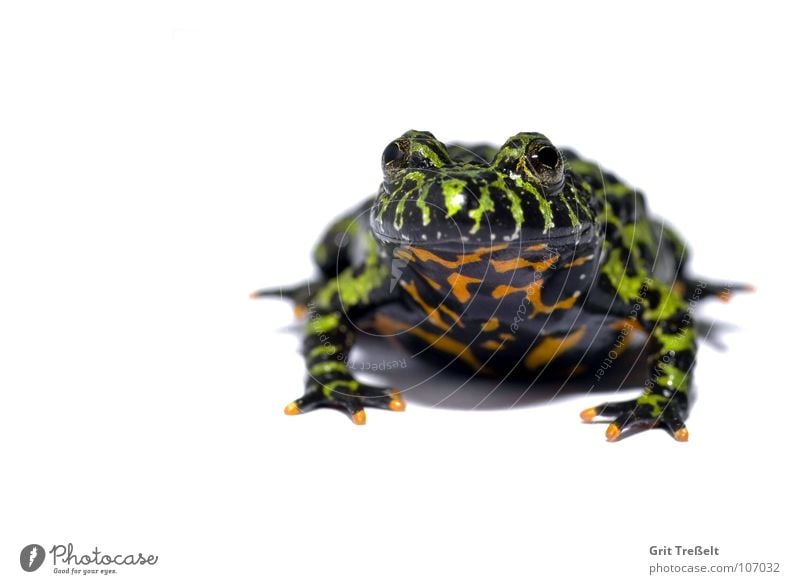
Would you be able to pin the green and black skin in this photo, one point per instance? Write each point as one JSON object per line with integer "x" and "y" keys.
{"x": 512, "y": 262}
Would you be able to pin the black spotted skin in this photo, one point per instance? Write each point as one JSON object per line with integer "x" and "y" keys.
{"x": 508, "y": 262}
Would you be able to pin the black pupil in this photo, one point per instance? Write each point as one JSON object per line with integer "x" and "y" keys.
{"x": 547, "y": 156}
{"x": 392, "y": 154}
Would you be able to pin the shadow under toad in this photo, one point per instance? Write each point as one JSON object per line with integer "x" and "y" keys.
{"x": 424, "y": 383}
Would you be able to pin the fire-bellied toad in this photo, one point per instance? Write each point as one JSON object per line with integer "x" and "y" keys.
{"x": 507, "y": 261}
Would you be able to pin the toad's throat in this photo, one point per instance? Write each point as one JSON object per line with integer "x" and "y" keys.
{"x": 491, "y": 280}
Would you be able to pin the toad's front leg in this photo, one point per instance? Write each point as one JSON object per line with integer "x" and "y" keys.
{"x": 327, "y": 343}
{"x": 665, "y": 401}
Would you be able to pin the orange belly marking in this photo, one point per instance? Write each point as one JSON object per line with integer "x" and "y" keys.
{"x": 550, "y": 348}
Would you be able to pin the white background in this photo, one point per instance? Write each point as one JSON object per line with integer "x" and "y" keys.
{"x": 158, "y": 161}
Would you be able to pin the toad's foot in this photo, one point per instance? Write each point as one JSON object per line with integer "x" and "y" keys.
{"x": 300, "y": 295}
{"x": 647, "y": 411}
{"x": 347, "y": 395}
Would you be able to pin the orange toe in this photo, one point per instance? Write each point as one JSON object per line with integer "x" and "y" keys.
{"x": 588, "y": 415}
{"x": 682, "y": 435}
{"x": 291, "y": 409}
{"x": 397, "y": 404}
{"x": 360, "y": 417}
{"x": 612, "y": 432}
{"x": 300, "y": 311}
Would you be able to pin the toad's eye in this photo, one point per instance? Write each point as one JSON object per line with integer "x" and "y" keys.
{"x": 546, "y": 163}
{"x": 395, "y": 155}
